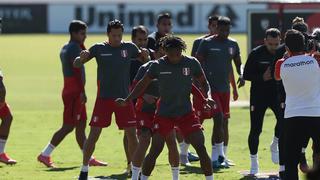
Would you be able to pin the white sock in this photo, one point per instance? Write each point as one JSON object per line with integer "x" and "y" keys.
{"x": 225, "y": 149}
{"x": 48, "y": 150}
{"x": 2, "y": 145}
{"x": 275, "y": 140}
{"x": 254, "y": 160}
{"x": 303, "y": 150}
{"x": 135, "y": 172}
{"x": 220, "y": 149}
{"x": 209, "y": 177}
{"x": 184, "y": 147}
{"x": 282, "y": 168}
{"x": 214, "y": 153}
{"x": 85, "y": 168}
{"x": 143, "y": 177}
{"x": 175, "y": 173}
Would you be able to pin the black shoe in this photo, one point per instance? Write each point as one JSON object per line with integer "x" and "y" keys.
{"x": 83, "y": 176}
{"x": 221, "y": 159}
{"x": 281, "y": 175}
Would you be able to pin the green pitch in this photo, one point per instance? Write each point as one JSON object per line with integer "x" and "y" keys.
{"x": 33, "y": 77}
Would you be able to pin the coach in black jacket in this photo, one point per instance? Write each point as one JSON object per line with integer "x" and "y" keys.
{"x": 263, "y": 95}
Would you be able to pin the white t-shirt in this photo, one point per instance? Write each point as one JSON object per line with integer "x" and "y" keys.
{"x": 301, "y": 80}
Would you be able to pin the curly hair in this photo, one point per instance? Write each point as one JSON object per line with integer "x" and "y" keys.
{"x": 172, "y": 42}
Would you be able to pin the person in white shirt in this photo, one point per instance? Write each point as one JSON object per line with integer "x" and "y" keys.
{"x": 300, "y": 74}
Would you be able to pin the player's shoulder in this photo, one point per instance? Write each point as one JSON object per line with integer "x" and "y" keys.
{"x": 259, "y": 48}
{"x": 191, "y": 59}
{"x": 232, "y": 41}
{"x": 201, "y": 38}
{"x": 148, "y": 64}
{"x": 128, "y": 44}
{"x": 100, "y": 44}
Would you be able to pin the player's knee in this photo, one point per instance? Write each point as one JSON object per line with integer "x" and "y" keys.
{"x": 144, "y": 139}
{"x": 67, "y": 129}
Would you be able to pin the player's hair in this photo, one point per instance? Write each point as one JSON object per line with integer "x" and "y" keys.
{"x": 76, "y": 26}
{"x": 300, "y": 26}
{"x": 173, "y": 42}
{"x": 224, "y": 21}
{"x": 163, "y": 16}
{"x": 114, "y": 24}
{"x": 272, "y": 32}
{"x": 213, "y": 18}
{"x": 294, "y": 40}
{"x": 138, "y": 29}
{"x": 316, "y": 34}
{"x": 297, "y": 19}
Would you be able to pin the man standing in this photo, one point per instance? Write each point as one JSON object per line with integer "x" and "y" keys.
{"x": 300, "y": 75}
{"x": 113, "y": 58}
{"x": 6, "y": 118}
{"x": 215, "y": 54}
{"x": 139, "y": 36}
{"x": 164, "y": 26}
{"x": 73, "y": 95}
{"x": 175, "y": 74}
{"x": 263, "y": 95}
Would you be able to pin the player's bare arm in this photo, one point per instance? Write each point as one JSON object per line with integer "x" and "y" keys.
{"x": 234, "y": 85}
{"x": 239, "y": 67}
{"x": 82, "y": 59}
{"x": 137, "y": 91}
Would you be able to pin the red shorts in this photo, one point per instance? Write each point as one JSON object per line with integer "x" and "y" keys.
{"x": 200, "y": 111}
{"x": 103, "y": 110}
{"x": 5, "y": 111}
{"x": 74, "y": 111}
{"x": 223, "y": 103}
{"x": 187, "y": 124}
{"x": 144, "y": 120}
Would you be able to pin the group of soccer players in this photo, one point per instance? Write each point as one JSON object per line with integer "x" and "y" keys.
{"x": 147, "y": 84}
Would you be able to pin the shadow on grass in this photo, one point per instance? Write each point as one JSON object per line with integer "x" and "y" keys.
{"x": 62, "y": 169}
{"x": 113, "y": 176}
{"x": 262, "y": 178}
{"x": 194, "y": 170}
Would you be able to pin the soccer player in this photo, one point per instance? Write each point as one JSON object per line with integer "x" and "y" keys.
{"x": 300, "y": 74}
{"x": 73, "y": 95}
{"x": 185, "y": 155}
{"x": 215, "y": 54}
{"x": 263, "y": 95}
{"x": 139, "y": 36}
{"x": 164, "y": 26}
{"x": 175, "y": 73}
{"x": 113, "y": 58}
{"x": 6, "y": 118}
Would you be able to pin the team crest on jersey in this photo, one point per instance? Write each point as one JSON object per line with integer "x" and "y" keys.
{"x": 231, "y": 51}
{"x": 124, "y": 53}
{"x": 186, "y": 71}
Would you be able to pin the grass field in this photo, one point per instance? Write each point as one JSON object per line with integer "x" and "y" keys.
{"x": 33, "y": 78}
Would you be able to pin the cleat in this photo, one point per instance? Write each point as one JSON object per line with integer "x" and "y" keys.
{"x": 184, "y": 160}
{"x": 218, "y": 165}
{"x": 4, "y": 158}
{"x": 193, "y": 157}
{"x": 94, "y": 162}
{"x": 46, "y": 160}
{"x": 229, "y": 162}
